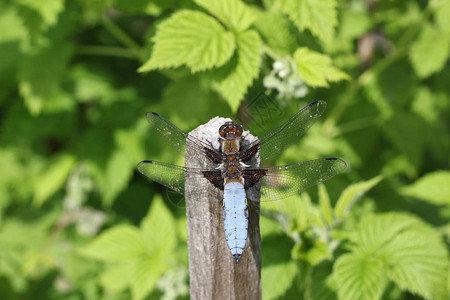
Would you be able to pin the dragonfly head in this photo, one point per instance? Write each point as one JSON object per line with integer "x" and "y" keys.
{"x": 230, "y": 130}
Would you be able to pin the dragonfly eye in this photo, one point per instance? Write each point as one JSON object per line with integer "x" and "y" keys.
{"x": 230, "y": 129}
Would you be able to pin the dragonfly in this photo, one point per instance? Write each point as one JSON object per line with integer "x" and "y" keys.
{"x": 228, "y": 167}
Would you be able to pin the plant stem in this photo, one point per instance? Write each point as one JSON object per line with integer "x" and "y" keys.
{"x": 270, "y": 52}
{"x": 123, "y": 37}
{"x": 106, "y": 51}
{"x": 355, "y": 125}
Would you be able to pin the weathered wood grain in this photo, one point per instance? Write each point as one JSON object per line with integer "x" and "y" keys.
{"x": 213, "y": 272}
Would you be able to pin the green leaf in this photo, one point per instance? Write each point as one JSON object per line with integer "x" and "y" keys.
{"x": 122, "y": 242}
{"x": 119, "y": 169}
{"x": 418, "y": 262}
{"x": 150, "y": 7}
{"x": 277, "y": 278}
{"x": 433, "y": 187}
{"x": 52, "y": 179}
{"x": 146, "y": 252}
{"x": 319, "y": 16}
{"x": 159, "y": 228}
{"x": 192, "y": 90}
{"x": 412, "y": 254}
{"x": 321, "y": 284}
{"x": 353, "y": 24}
{"x": 118, "y": 277}
{"x": 233, "y": 13}
{"x": 430, "y": 51}
{"x": 316, "y": 69}
{"x": 376, "y": 95}
{"x": 319, "y": 252}
{"x": 324, "y": 204}
{"x": 25, "y": 247}
{"x": 407, "y": 132}
{"x": 49, "y": 10}
{"x": 11, "y": 25}
{"x": 275, "y": 30}
{"x": 236, "y": 76}
{"x": 29, "y": 236}
{"x": 148, "y": 270}
{"x": 297, "y": 209}
{"x": 17, "y": 182}
{"x": 399, "y": 165}
{"x": 40, "y": 74}
{"x": 269, "y": 226}
{"x": 300, "y": 210}
{"x": 442, "y": 14}
{"x": 90, "y": 84}
{"x": 352, "y": 194}
{"x": 190, "y": 38}
{"x": 375, "y": 231}
{"x": 425, "y": 106}
{"x": 359, "y": 277}
{"x": 130, "y": 141}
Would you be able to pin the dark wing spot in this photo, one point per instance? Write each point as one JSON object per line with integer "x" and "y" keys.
{"x": 252, "y": 176}
{"x": 215, "y": 177}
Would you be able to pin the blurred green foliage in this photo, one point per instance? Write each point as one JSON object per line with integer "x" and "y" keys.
{"x": 76, "y": 78}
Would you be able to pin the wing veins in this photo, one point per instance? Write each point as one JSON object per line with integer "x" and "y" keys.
{"x": 158, "y": 122}
{"x": 290, "y": 131}
{"x": 284, "y": 181}
{"x": 169, "y": 175}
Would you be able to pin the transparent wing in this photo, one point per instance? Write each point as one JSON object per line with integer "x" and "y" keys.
{"x": 284, "y": 181}
{"x": 274, "y": 142}
{"x": 171, "y": 176}
{"x": 176, "y": 137}
{"x": 278, "y": 182}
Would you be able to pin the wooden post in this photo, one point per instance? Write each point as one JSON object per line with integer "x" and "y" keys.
{"x": 213, "y": 272}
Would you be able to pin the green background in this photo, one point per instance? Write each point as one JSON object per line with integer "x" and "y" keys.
{"x": 77, "y": 77}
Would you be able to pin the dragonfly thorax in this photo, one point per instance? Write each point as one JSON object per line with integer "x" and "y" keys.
{"x": 231, "y": 147}
{"x": 230, "y": 137}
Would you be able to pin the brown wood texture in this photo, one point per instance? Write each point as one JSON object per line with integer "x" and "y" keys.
{"x": 213, "y": 272}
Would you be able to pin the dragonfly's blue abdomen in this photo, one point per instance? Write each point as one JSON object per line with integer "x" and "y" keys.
{"x": 235, "y": 218}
